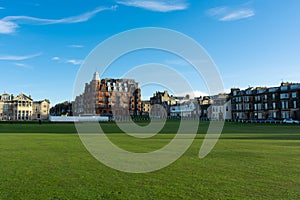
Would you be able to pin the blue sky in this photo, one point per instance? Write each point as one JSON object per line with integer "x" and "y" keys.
{"x": 43, "y": 43}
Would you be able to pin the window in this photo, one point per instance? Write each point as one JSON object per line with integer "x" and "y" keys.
{"x": 246, "y": 99}
{"x": 285, "y": 115}
{"x": 5, "y": 107}
{"x": 283, "y": 88}
{"x": 273, "y": 96}
{"x": 266, "y": 106}
{"x": 240, "y": 106}
{"x": 284, "y": 104}
{"x": 274, "y": 105}
{"x": 284, "y": 96}
{"x": 247, "y": 106}
{"x": 273, "y": 89}
{"x": 294, "y": 95}
{"x": 295, "y": 86}
{"x": 295, "y": 104}
{"x": 257, "y": 98}
{"x": 259, "y": 106}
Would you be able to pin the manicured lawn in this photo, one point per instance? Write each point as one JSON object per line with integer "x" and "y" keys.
{"x": 250, "y": 161}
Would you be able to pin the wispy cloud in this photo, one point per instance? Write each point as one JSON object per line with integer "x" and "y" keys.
{"x": 226, "y": 13}
{"x": 1, "y": 8}
{"x": 18, "y": 58}
{"x": 76, "y": 46}
{"x": 9, "y": 24}
{"x": 156, "y": 5}
{"x": 70, "y": 61}
{"x": 74, "y": 62}
{"x": 23, "y": 65}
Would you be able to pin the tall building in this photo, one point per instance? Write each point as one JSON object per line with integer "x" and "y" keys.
{"x": 280, "y": 102}
{"x": 109, "y": 97}
{"x": 23, "y": 108}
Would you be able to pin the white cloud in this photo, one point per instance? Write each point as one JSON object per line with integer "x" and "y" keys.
{"x": 9, "y": 24}
{"x": 238, "y": 14}
{"x": 7, "y": 27}
{"x": 2, "y": 8}
{"x": 70, "y": 61}
{"x": 225, "y": 13}
{"x": 55, "y": 58}
{"x": 155, "y": 5}
{"x": 76, "y": 46}
{"x": 23, "y": 65}
{"x": 18, "y": 58}
{"x": 192, "y": 94}
{"x": 74, "y": 62}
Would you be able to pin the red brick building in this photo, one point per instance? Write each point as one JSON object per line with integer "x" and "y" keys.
{"x": 109, "y": 97}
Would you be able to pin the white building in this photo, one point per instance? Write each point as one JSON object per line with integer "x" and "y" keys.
{"x": 220, "y": 108}
{"x": 186, "y": 109}
{"x": 23, "y": 108}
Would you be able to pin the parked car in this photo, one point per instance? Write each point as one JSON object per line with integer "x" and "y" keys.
{"x": 291, "y": 121}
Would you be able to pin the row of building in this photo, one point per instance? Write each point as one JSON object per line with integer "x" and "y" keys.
{"x": 122, "y": 97}
{"x": 119, "y": 98}
{"x": 23, "y": 108}
{"x": 282, "y": 102}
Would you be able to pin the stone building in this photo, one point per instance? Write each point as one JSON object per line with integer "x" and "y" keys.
{"x": 23, "y": 108}
{"x": 109, "y": 97}
{"x": 41, "y": 110}
{"x": 261, "y": 103}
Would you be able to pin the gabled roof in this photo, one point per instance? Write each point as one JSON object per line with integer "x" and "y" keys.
{"x": 22, "y": 96}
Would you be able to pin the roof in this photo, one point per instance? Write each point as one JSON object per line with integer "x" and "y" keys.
{"x": 22, "y": 95}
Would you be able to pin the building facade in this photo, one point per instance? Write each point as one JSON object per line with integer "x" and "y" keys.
{"x": 220, "y": 107}
{"x": 109, "y": 97}
{"x": 261, "y": 103}
{"x": 162, "y": 105}
{"x": 145, "y": 108}
{"x": 41, "y": 110}
{"x": 182, "y": 106}
{"x": 23, "y": 108}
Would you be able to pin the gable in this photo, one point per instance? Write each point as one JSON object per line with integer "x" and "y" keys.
{"x": 22, "y": 97}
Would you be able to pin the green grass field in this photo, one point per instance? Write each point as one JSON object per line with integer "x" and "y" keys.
{"x": 250, "y": 161}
